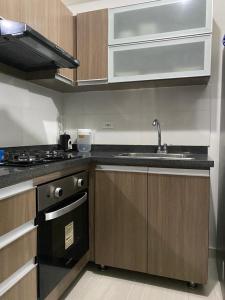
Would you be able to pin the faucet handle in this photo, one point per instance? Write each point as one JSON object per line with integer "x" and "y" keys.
{"x": 165, "y": 148}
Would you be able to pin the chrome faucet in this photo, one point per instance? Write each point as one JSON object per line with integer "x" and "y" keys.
{"x": 159, "y": 150}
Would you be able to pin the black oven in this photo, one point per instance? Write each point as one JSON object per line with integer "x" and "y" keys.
{"x": 63, "y": 230}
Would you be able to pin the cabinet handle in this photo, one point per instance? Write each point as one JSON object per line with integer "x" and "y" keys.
{"x": 179, "y": 172}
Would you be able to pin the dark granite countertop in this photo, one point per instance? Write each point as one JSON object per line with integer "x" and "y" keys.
{"x": 14, "y": 175}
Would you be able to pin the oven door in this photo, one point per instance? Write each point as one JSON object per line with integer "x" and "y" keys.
{"x": 63, "y": 238}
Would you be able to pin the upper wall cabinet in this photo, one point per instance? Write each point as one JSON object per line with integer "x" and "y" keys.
{"x": 92, "y": 47}
{"x": 159, "y": 19}
{"x": 66, "y": 37}
{"x": 34, "y": 13}
{"x": 41, "y": 15}
{"x": 11, "y": 9}
{"x": 163, "y": 39}
{"x": 167, "y": 59}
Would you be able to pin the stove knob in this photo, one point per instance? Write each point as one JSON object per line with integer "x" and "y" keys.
{"x": 58, "y": 192}
{"x": 80, "y": 182}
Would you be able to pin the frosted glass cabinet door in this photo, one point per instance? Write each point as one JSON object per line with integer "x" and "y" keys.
{"x": 176, "y": 58}
{"x": 159, "y": 19}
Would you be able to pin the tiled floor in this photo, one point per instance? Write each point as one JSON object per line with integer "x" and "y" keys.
{"x": 122, "y": 285}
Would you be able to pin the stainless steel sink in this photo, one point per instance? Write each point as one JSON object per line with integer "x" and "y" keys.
{"x": 175, "y": 156}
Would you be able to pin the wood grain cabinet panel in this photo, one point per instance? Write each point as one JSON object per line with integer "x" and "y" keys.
{"x": 54, "y": 24}
{"x": 178, "y": 214}
{"x": 121, "y": 220}
{"x": 11, "y": 9}
{"x": 67, "y": 35}
{"x": 17, "y": 210}
{"x": 34, "y": 13}
{"x": 92, "y": 45}
{"x": 25, "y": 289}
{"x": 17, "y": 254}
{"x": 41, "y": 15}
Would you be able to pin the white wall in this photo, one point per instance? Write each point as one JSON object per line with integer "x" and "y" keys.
{"x": 29, "y": 114}
{"x": 216, "y": 113}
{"x": 189, "y": 115}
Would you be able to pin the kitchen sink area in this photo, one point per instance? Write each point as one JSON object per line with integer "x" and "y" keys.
{"x": 174, "y": 156}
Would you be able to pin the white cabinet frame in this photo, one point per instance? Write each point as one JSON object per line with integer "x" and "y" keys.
{"x": 207, "y": 39}
{"x": 188, "y": 32}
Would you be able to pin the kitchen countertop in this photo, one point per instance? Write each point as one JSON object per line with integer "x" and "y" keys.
{"x": 13, "y": 175}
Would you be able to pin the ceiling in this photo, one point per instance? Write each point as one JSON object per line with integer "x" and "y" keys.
{"x": 70, "y": 2}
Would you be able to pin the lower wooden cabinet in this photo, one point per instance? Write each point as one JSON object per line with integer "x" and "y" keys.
{"x": 178, "y": 221}
{"x": 18, "y": 242}
{"x": 121, "y": 219}
{"x": 17, "y": 210}
{"x": 24, "y": 289}
{"x": 17, "y": 254}
{"x": 155, "y": 223}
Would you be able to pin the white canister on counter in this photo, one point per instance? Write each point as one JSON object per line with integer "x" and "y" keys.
{"x": 84, "y": 139}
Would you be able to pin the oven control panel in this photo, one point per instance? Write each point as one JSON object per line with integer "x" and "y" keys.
{"x": 61, "y": 189}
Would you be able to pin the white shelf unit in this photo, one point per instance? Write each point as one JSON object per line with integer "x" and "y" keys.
{"x": 160, "y": 39}
{"x": 159, "y": 19}
{"x": 167, "y": 59}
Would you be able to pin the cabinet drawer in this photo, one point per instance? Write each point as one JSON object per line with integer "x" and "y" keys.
{"x": 24, "y": 289}
{"x": 18, "y": 253}
{"x": 177, "y": 58}
{"x": 17, "y": 210}
{"x": 155, "y": 20}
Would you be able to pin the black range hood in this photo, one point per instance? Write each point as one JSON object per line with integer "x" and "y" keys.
{"x": 27, "y": 50}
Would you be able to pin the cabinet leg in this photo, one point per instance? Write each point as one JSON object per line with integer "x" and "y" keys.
{"x": 192, "y": 284}
{"x": 102, "y": 268}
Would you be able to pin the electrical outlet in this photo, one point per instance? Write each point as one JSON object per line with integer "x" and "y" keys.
{"x": 108, "y": 125}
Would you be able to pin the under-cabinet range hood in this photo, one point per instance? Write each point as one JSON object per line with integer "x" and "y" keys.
{"x": 25, "y": 49}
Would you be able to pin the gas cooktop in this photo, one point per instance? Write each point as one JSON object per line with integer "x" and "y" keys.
{"x": 33, "y": 158}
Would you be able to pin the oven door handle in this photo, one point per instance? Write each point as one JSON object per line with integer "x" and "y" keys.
{"x": 62, "y": 211}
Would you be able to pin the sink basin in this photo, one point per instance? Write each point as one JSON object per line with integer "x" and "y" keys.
{"x": 175, "y": 156}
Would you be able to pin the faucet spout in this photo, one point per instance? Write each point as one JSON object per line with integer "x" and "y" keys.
{"x": 157, "y": 123}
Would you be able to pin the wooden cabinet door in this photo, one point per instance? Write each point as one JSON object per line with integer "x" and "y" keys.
{"x": 178, "y": 214}
{"x": 17, "y": 210}
{"x": 121, "y": 219}
{"x": 43, "y": 16}
{"x": 11, "y": 9}
{"x": 67, "y": 35}
{"x": 53, "y": 20}
{"x": 25, "y": 289}
{"x": 17, "y": 254}
{"x": 34, "y": 13}
{"x": 92, "y": 45}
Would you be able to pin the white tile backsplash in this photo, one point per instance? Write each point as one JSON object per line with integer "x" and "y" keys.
{"x": 184, "y": 113}
{"x": 29, "y": 114}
